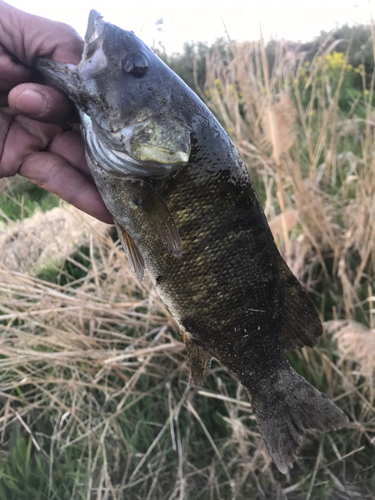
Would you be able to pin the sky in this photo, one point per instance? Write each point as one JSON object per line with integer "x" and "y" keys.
{"x": 206, "y": 20}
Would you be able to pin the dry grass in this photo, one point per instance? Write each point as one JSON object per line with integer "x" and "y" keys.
{"x": 295, "y": 140}
{"x": 100, "y": 357}
{"x": 93, "y": 374}
{"x": 85, "y": 355}
{"x": 314, "y": 165}
{"x": 45, "y": 239}
{"x": 355, "y": 343}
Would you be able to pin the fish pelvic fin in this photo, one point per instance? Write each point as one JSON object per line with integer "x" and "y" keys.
{"x": 285, "y": 407}
{"x": 199, "y": 360}
{"x": 300, "y": 322}
{"x": 132, "y": 252}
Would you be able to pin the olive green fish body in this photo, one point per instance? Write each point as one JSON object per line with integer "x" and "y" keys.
{"x": 187, "y": 212}
{"x": 228, "y": 289}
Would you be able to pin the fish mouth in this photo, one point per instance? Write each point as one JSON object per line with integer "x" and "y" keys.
{"x": 93, "y": 55}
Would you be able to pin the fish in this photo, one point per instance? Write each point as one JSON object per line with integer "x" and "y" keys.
{"x": 187, "y": 212}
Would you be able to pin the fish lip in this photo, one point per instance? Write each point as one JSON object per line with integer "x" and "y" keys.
{"x": 95, "y": 26}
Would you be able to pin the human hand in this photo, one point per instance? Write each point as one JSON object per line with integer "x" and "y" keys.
{"x": 39, "y": 130}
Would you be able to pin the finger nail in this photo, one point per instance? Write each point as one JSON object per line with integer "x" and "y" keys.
{"x": 31, "y": 103}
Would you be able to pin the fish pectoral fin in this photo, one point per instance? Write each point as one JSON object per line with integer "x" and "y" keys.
{"x": 136, "y": 261}
{"x": 300, "y": 322}
{"x": 161, "y": 220}
{"x": 199, "y": 360}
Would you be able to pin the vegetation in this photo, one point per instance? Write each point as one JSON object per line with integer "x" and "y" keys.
{"x": 190, "y": 64}
{"x": 356, "y": 40}
{"x": 93, "y": 374}
{"x": 20, "y": 198}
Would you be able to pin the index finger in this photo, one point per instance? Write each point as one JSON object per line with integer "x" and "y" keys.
{"x": 12, "y": 71}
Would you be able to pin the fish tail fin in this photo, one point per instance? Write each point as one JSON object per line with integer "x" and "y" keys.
{"x": 285, "y": 409}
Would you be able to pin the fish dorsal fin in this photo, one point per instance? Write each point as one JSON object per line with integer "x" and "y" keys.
{"x": 161, "y": 219}
{"x": 136, "y": 261}
{"x": 300, "y": 322}
{"x": 199, "y": 359}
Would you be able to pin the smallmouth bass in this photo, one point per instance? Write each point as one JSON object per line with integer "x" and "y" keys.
{"x": 187, "y": 212}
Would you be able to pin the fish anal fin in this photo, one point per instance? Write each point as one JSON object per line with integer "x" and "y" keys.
{"x": 300, "y": 322}
{"x": 199, "y": 360}
{"x": 136, "y": 261}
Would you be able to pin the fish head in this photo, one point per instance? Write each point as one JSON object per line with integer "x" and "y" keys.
{"x": 123, "y": 93}
{"x": 120, "y": 75}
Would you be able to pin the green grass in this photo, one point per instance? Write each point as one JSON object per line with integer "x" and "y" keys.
{"x": 20, "y": 199}
{"x": 27, "y": 474}
{"x": 69, "y": 271}
{"x": 56, "y": 472}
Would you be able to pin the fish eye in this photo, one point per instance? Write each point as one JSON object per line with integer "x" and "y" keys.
{"x": 136, "y": 64}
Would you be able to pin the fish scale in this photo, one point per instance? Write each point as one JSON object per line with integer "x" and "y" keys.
{"x": 187, "y": 212}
